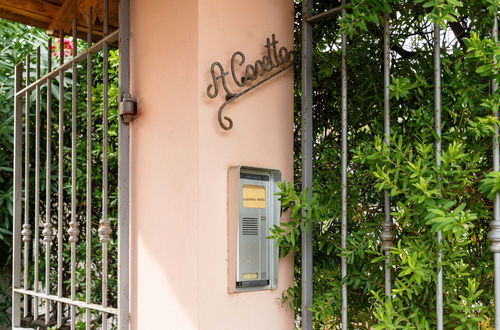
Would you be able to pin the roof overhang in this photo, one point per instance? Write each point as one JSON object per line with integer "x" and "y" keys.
{"x": 57, "y": 15}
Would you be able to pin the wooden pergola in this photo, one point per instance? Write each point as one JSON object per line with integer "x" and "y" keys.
{"x": 57, "y": 15}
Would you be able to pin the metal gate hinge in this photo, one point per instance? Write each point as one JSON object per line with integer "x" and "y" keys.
{"x": 128, "y": 108}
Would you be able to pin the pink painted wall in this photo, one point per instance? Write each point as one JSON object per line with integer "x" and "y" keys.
{"x": 180, "y": 158}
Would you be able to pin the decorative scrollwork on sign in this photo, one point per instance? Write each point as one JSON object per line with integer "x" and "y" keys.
{"x": 281, "y": 60}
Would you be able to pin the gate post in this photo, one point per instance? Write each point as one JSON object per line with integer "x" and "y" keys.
{"x": 124, "y": 250}
{"x": 182, "y": 153}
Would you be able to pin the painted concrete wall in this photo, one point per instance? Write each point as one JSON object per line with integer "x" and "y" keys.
{"x": 180, "y": 158}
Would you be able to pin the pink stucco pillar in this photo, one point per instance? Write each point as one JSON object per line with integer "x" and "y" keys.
{"x": 180, "y": 159}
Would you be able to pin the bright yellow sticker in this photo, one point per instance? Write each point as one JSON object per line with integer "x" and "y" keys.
{"x": 254, "y": 196}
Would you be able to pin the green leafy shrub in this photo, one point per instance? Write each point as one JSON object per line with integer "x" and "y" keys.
{"x": 454, "y": 198}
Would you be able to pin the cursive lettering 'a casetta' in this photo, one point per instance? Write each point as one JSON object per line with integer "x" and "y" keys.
{"x": 242, "y": 74}
{"x": 274, "y": 62}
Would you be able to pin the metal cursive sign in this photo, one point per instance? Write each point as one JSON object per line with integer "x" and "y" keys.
{"x": 281, "y": 60}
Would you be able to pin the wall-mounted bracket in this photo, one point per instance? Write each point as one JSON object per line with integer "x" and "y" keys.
{"x": 128, "y": 108}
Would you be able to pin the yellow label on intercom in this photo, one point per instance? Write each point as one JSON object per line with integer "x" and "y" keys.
{"x": 254, "y": 196}
{"x": 250, "y": 276}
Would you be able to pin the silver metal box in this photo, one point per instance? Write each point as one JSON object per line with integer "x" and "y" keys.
{"x": 255, "y": 208}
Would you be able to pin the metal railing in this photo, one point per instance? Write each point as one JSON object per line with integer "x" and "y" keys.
{"x": 386, "y": 234}
{"x": 59, "y": 296}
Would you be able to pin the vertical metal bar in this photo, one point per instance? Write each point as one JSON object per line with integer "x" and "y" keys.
{"x": 386, "y": 235}
{"x": 496, "y": 261}
{"x": 437, "y": 127}
{"x": 307, "y": 166}
{"x": 26, "y": 232}
{"x": 47, "y": 230}
{"x": 494, "y": 234}
{"x": 104, "y": 228}
{"x": 18, "y": 179}
{"x": 88, "y": 212}
{"x": 124, "y": 172}
{"x": 344, "y": 173}
{"x": 60, "y": 183}
{"x": 73, "y": 230}
{"x": 36, "y": 252}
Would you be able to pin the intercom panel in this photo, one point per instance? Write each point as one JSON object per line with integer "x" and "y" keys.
{"x": 254, "y": 209}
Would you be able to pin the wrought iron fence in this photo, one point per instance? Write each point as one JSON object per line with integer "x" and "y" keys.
{"x": 386, "y": 234}
{"x": 70, "y": 240}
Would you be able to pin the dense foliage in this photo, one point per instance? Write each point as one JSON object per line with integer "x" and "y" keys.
{"x": 454, "y": 199}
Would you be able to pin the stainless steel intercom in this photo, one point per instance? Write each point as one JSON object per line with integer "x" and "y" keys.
{"x": 253, "y": 209}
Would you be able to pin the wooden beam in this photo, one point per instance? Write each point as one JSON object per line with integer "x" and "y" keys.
{"x": 31, "y": 7}
{"x": 57, "y": 15}
{"x": 64, "y": 18}
{"x": 41, "y": 12}
{"x": 98, "y": 11}
{"x": 40, "y": 23}
{"x": 83, "y": 6}
{"x": 55, "y": 2}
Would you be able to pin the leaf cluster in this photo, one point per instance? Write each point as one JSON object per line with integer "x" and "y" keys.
{"x": 449, "y": 194}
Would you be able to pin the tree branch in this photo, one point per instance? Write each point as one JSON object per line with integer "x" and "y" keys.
{"x": 459, "y": 31}
{"x": 402, "y": 52}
